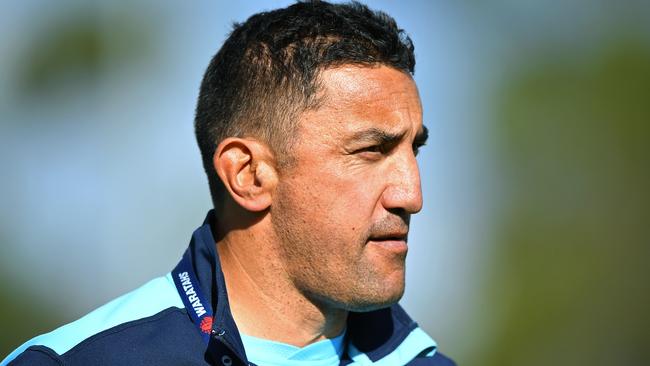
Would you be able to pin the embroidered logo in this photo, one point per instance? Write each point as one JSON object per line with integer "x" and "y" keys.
{"x": 206, "y": 325}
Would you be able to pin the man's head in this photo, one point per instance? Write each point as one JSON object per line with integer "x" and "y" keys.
{"x": 309, "y": 120}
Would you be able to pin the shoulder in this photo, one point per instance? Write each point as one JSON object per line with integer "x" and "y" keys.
{"x": 389, "y": 336}
{"x": 438, "y": 359}
{"x": 442, "y": 360}
{"x": 117, "y": 324}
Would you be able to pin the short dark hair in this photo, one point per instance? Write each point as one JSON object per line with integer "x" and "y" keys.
{"x": 266, "y": 72}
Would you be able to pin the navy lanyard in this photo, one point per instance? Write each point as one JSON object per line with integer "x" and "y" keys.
{"x": 197, "y": 305}
{"x": 199, "y": 308}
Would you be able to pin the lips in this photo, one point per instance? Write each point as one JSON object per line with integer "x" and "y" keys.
{"x": 390, "y": 236}
{"x": 393, "y": 242}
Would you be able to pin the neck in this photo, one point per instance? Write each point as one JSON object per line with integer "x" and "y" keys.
{"x": 263, "y": 300}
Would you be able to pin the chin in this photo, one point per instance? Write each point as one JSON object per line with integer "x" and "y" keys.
{"x": 383, "y": 298}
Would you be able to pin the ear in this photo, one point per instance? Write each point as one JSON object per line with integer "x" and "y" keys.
{"x": 247, "y": 169}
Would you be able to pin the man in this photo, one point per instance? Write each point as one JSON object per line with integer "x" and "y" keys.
{"x": 309, "y": 123}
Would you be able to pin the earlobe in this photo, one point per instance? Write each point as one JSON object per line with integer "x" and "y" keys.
{"x": 246, "y": 169}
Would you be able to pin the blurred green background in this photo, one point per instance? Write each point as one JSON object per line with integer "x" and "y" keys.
{"x": 533, "y": 243}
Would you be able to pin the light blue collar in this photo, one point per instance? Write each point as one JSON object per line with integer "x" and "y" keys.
{"x": 264, "y": 352}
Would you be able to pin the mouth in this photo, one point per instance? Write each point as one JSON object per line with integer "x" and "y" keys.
{"x": 393, "y": 242}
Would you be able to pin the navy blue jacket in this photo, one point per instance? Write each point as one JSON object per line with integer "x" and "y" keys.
{"x": 152, "y": 326}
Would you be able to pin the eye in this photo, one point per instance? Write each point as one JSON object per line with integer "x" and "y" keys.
{"x": 372, "y": 151}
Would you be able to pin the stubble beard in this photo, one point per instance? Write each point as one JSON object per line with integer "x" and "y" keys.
{"x": 329, "y": 271}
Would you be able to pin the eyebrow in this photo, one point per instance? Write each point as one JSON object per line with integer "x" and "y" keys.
{"x": 380, "y": 136}
{"x": 376, "y": 135}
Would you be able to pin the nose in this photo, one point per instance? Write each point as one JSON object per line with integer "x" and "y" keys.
{"x": 403, "y": 190}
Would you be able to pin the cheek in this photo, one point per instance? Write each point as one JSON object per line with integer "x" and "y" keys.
{"x": 348, "y": 203}
{"x": 332, "y": 199}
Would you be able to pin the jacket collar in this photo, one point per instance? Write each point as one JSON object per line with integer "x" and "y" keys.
{"x": 376, "y": 333}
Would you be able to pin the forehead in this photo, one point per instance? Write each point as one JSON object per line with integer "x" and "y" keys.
{"x": 355, "y": 97}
